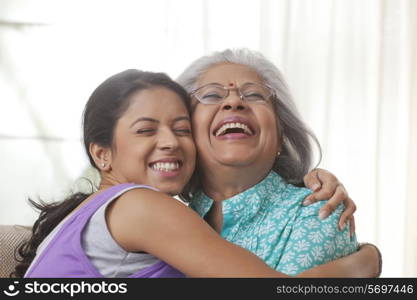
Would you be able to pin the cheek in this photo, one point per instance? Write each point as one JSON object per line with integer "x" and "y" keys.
{"x": 201, "y": 122}
{"x": 132, "y": 150}
{"x": 190, "y": 150}
{"x": 270, "y": 123}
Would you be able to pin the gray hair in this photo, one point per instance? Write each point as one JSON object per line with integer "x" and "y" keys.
{"x": 296, "y": 155}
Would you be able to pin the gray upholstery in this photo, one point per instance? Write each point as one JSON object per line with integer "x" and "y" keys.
{"x": 10, "y": 237}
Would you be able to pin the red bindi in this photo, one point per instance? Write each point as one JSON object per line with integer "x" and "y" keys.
{"x": 231, "y": 84}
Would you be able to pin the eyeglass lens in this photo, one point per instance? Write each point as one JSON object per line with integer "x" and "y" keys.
{"x": 214, "y": 93}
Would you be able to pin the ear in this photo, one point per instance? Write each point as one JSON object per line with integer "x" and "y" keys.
{"x": 101, "y": 156}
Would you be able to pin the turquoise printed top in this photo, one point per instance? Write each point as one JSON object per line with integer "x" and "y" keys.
{"x": 270, "y": 220}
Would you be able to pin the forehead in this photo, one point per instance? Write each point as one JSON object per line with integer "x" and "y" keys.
{"x": 155, "y": 102}
{"x": 229, "y": 73}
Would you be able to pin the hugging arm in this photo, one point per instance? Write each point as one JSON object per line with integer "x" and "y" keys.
{"x": 145, "y": 220}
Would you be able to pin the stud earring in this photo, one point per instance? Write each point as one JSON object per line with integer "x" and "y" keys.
{"x": 103, "y": 165}
{"x": 278, "y": 154}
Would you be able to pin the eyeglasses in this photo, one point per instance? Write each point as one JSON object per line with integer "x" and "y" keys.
{"x": 214, "y": 93}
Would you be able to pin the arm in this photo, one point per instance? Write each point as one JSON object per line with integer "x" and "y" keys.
{"x": 326, "y": 186}
{"x": 145, "y": 220}
{"x": 365, "y": 263}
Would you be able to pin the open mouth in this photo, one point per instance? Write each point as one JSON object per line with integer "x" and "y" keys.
{"x": 162, "y": 166}
{"x": 233, "y": 127}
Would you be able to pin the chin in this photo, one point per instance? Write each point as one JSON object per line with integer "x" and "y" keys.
{"x": 236, "y": 159}
{"x": 170, "y": 190}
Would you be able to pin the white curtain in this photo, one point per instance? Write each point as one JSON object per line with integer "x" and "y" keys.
{"x": 351, "y": 65}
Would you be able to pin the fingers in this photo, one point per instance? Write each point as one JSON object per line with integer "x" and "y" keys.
{"x": 328, "y": 186}
{"x": 326, "y": 210}
{"x": 312, "y": 181}
{"x": 332, "y": 192}
{"x": 347, "y": 215}
{"x": 352, "y": 226}
{"x": 335, "y": 195}
{"x": 338, "y": 197}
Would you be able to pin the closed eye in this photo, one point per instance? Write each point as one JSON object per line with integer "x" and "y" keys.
{"x": 145, "y": 131}
{"x": 212, "y": 95}
{"x": 254, "y": 95}
{"x": 184, "y": 131}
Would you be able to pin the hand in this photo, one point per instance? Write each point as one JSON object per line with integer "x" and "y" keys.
{"x": 326, "y": 186}
{"x": 374, "y": 253}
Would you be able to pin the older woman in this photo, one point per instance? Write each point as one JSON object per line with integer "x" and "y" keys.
{"x": 253, "y": 152}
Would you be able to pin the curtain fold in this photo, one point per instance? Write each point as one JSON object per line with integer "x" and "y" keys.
{"x": 410, "y": 262}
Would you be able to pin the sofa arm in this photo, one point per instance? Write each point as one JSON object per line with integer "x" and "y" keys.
{"x": 11, "y": 236}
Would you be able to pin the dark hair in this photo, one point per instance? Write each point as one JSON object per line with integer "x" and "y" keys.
{"x": 105, "y": 106}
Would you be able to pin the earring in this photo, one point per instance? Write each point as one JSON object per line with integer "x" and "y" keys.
{"x": 103, "y": 165}
{"x": 278, "y": 154}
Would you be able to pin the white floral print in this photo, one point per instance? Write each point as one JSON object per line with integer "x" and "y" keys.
{"x": 270, "y": 220}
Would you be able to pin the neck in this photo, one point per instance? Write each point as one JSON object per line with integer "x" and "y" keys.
{"x": 223, "y": 182}
{"x": 108, "y": 180}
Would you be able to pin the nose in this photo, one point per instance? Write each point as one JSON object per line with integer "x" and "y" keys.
{"x": 234, "y": 102}
{"x": 167, "y": 140}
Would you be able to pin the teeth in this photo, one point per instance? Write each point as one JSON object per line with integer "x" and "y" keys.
{"x": 165, "y": 166}
{"x": 233, "y": 125}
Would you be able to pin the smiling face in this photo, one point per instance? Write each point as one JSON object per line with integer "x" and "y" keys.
{"x": 235, "y": 133}
{"x": 153, "y": 142}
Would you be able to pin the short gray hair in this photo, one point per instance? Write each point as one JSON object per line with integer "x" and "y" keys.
{"x": 296, "y": 155}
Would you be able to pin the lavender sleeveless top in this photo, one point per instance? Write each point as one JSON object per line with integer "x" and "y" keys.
{"x": 64, "y": 256}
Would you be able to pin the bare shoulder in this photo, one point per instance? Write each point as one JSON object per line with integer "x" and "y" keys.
{"x": 141, "y": 215}
{"x": 142, "y": 200}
